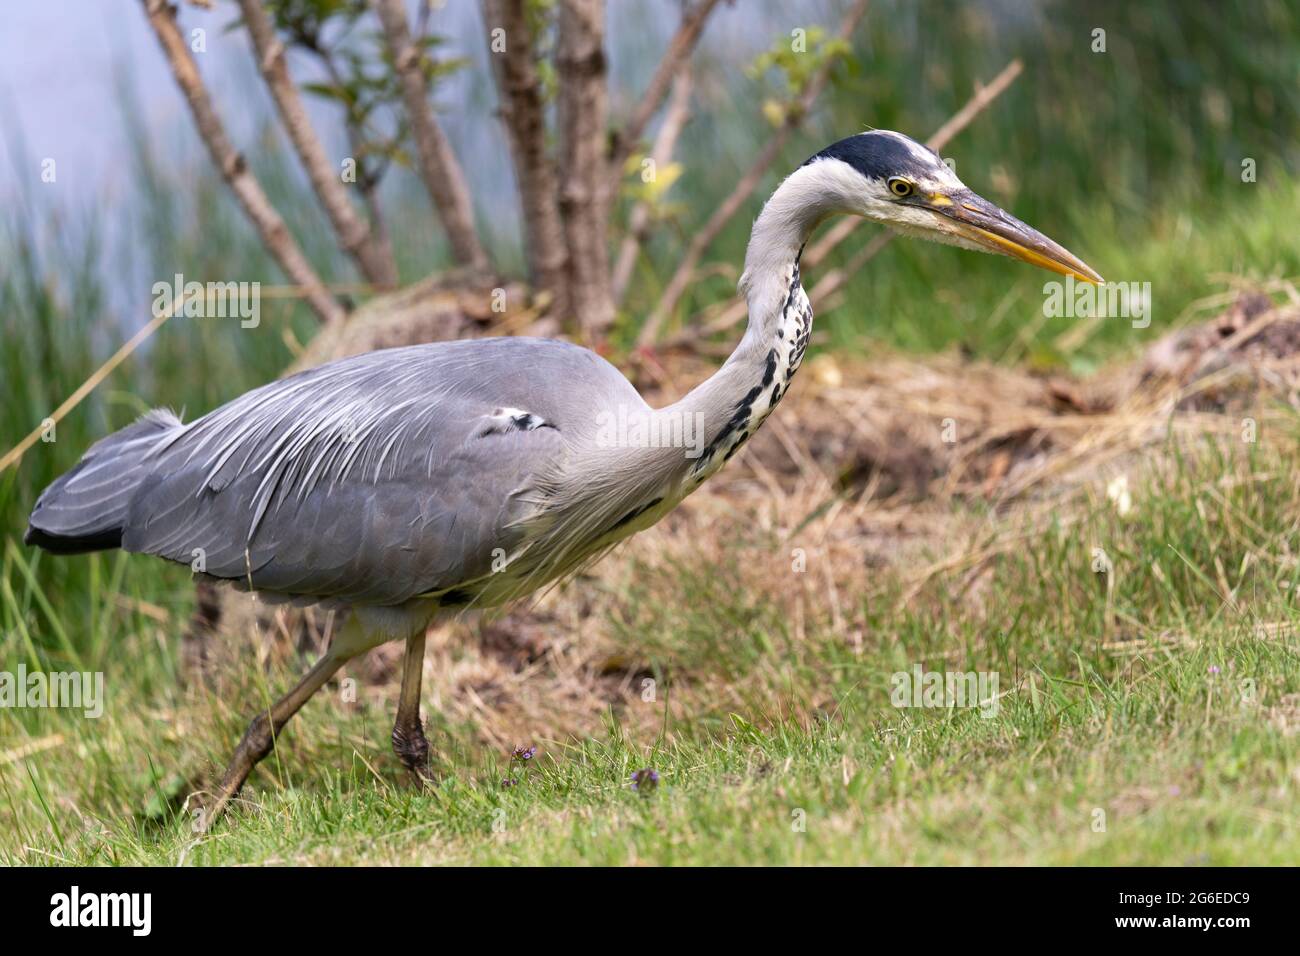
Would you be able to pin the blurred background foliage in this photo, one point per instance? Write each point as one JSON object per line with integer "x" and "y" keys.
{"x": 1132, "y": 158}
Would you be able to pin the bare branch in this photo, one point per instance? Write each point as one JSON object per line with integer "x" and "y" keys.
{"x": 442, "y": 175}
{"x": 685, "y": 272}
{"x": 160, "y": 318}
{"x": 274, "y": 233}
{"x": 661, "y": 154}
{"x": 832, "y": 281}
{"x": 584, "y": 191}
{"x": 523, "y": 113}
{"x": 353, "y": 233}
{"x": 368, "y": 178}
{"x": 679, "y": 50}
{"x": 378, "y": 223}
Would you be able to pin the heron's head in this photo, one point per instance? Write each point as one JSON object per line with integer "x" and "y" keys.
{"x": 891, "y": 179}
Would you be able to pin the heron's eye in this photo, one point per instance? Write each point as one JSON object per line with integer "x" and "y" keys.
{"x": 900, "y": 187}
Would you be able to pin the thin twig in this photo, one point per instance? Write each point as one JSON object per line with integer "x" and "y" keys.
{"x": 353, "y": 233}
{"x": 685, "y": 272}
{"x": 678, "y": 53}
{"x": 439, "y": 168}
{"x": 15, "y": 454}
{"x": 676, "y": 114}
{"x": 234, "y": 169}
{"x": 368, "y": 179}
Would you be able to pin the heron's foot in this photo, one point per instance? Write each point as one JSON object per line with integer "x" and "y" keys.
{"x": 255, "y": 745}
{"x": 412, "y": 748}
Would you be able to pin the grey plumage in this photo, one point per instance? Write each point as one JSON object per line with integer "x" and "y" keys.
{"x": 369, "y": 480}
{"x": 86, "y": 509}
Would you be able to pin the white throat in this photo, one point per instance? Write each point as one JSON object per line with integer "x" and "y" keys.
{"x": 800, "y": 204}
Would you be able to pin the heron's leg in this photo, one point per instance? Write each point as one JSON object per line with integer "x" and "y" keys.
{"x": 266, "y": 726}
{"x": 409, "y": 742}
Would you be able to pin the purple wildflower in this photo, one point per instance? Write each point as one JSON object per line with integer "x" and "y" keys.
{"x": 524, "y": 753}
{"x": 645, "y": 780}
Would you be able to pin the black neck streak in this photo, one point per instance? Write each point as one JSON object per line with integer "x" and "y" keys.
{"x": 785, "y": 354}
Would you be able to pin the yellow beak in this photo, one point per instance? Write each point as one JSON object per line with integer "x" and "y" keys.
{"x": 983, "y": 223}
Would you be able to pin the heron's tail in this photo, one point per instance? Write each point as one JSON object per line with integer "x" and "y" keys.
{"x": 85, "y": 508}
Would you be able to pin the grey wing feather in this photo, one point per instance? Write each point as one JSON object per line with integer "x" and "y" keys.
{"x": 373, "y": 479}
{"x": 84, "y": 509}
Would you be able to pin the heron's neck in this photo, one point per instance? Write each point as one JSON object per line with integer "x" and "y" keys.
{"x": 736, "y": 399}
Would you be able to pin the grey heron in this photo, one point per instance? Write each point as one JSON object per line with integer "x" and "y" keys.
{"x": 411, "y": 482}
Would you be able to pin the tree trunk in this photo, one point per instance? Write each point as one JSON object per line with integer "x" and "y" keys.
{"x": 584, "y": 191}
{"x": 522, "y": 108}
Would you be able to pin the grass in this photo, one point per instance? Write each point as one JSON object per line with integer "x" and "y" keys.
{"x": 1149, "y": 721}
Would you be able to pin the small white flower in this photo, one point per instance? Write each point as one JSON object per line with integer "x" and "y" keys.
{"x": 1117, "y": 492}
